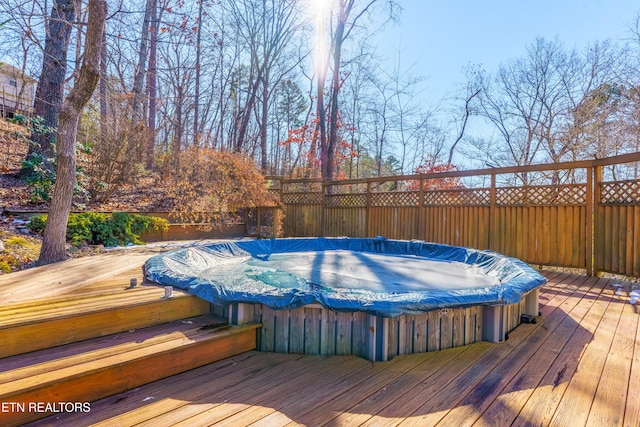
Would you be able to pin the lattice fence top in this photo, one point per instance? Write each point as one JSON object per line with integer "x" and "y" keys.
{"x": 462, "y": 197}
{"x": 620, "y": 192}
{"x": 400, "y": 198}
{"x": 552, "y": 195}
{"x": 542, "y": 195}
{"x": 346, "y": 200}
{"x": 302, "y": 198}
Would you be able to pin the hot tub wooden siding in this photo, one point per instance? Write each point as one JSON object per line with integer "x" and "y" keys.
{"x": 316, "y": 330}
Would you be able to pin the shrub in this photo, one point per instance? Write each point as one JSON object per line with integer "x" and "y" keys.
{"x": 36, "y": 224}
{"x": 118, "y": 228}
{"x": 210, "y": 186}
{"x": 5, "y": 267}
{"x": 16, "y": 241}
{"x": 40, "y": 177}
{"x": 79, "y": 228}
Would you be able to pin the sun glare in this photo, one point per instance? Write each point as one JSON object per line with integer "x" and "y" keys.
{"x": 321, "y": 11}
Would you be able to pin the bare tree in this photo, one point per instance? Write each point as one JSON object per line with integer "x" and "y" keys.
{"x": 50, "y": 89}
{"x": 549, "y": 105}
{"x": 266, "y": 28}
{"x": 523, "y": 101}
{"x": 152, "y": 85}
{"x": 347, "y": 15}
{"x": 53, "y": 244}
{"x": 472, "y": 91}
{"x": 23, "y": 36}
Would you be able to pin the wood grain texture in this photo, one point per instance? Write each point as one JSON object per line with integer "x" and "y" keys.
{"x": 578, "y": 366}
{"x": 570, "y": 368}
{"x": 94, "y": 375}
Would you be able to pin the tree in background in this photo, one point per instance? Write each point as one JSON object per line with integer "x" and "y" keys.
{"x": 266, "y": 28}
{"x": 303, "y": 141}
{"x": 214, "y": 78}
{"x": 50, "y": 89}
{"x": 434, "y": 165}
{"x": 536, "y": 104}
{"x": 345, "y": 17}
{"x": 291, "y": 105}
{"x": 53, "y": 244}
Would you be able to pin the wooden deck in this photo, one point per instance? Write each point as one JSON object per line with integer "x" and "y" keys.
{"x": 77, "y": 277}
{"x": 578, "y": 366}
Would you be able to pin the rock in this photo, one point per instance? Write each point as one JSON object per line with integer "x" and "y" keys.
{"x": 1, "y": 246}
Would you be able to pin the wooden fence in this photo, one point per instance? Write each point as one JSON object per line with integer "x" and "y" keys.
{"x": 589, "y": 221}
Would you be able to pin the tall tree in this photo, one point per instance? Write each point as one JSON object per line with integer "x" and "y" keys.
{"x": 266, "y": 28}
{"x": 523, "y": 100}
{"x": 290, "y": 107}
{"x": 152, "y": 82}
{"x": 537, "y": 103}
{"x": 50, "y": 89}
{"x": 196, "y": 102}
{"x": 53, "y": 244}
{"x": 141, "y": 69}
{"x": 347, "y": 17}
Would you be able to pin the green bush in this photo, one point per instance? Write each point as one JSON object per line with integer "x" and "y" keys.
{"x": 36, "y": 224}
{"x": 39, "y": 176}
{"x": 118, "y": 228}
{"x": 5, "y": 267}
{"x": 79, "y": 228}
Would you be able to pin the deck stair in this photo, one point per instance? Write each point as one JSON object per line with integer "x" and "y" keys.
{"x": 102, "y": 340}
{"x": 51, "y": 322}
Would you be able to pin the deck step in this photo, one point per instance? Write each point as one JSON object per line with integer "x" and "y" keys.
{"x": 41, "y": 324}
{"x": 85, "y": 371}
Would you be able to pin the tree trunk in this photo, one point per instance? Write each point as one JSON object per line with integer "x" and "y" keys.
{"x": 136, "y": 130}
{"x": 246, "y": 114}
{"x": 138, "y": 78}
{"x": 104, "y": 105}
{"x": 50, "y": 89}
{"x": 196, "y": 103}
{"x": 263, "y": 125}
{"x": 179, "y": 129}
{"x": 152, "y": 86}
{"x": 335, "y": 89}
{"x": 53, "y": 244}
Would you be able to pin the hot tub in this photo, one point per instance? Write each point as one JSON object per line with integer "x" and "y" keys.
{"x": 375, "y": 298}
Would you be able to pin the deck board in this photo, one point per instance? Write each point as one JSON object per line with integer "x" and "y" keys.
{"x": 632, "y": 409}
{"x": 521, "y": 387}
{"x": 52, "y": 281}
{"x": 371, "y": 392}
{"x": 521, "y": 361}
{"x": 578, "y": 366}
{"x": 219, "y": 404}
{"x": 577, "y": 400}
{"x": 609, "y": 403}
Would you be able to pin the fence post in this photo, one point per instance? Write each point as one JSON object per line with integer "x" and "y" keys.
{"x": 279, "y": 212}
{"x": 368, "y": 212}
{"x": 591, "y": 223}
{"x": 258, "y": 221}
{"x": 492, "y": 214}
{"x": 598, "y": 246}
{"x": 324, "y": 209}
{"x": 421, "y": 212}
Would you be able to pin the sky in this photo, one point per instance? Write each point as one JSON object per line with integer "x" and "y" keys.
{"x": 441, "y": 37}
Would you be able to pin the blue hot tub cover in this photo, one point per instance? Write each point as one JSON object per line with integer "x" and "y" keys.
{"x": 377, "y": 275}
